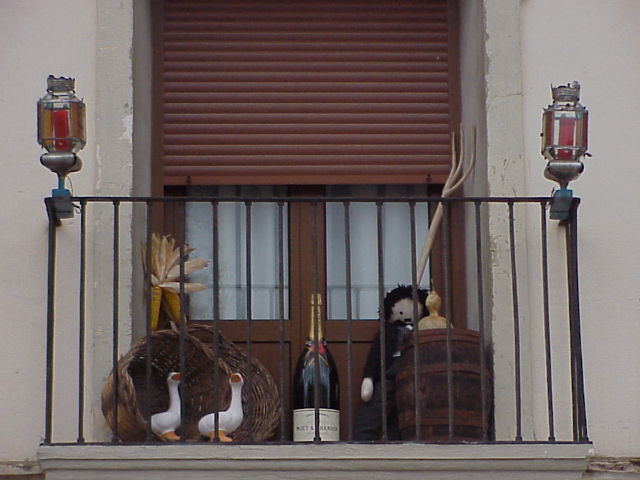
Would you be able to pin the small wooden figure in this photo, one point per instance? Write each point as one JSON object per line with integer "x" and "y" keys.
{"x": 434, "y": 319}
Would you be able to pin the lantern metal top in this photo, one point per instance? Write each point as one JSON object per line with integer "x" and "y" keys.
{"x": 566, "y": 93}
{"x": 60, "y": 84}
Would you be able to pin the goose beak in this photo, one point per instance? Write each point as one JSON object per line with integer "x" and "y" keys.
{"x": 235, "y": 378}
{"x": 175, "y": 376}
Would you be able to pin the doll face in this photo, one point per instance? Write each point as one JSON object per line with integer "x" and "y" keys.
{"x": 403, "y": 311}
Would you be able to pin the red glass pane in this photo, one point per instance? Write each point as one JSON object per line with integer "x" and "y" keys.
{"x": 566, "y": 136}
{"x": 61, "y": 130}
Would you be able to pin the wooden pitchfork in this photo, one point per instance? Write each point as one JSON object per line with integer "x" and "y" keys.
{"x": 457, "y": 176}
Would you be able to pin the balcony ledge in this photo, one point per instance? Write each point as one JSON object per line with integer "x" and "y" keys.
{"x": 325, "y": 461}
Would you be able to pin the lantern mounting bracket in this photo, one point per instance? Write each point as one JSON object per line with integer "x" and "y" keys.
{"x": 59, "y": 206}
{"x": 561, "y": 204}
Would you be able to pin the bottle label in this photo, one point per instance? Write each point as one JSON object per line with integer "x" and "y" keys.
{"x": 304, "y": 425}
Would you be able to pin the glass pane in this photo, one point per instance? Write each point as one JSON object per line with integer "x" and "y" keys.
{"x": 396, "y": 247}
{"x": 265, "y": 289}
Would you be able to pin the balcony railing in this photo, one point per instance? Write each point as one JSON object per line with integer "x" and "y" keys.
{"x": 97, "y": 307}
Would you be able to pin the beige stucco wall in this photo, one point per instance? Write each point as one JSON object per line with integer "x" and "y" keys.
{"x": 91, "y": 41}
{"x": 36, "y": 40}
{"x": 527, "y": 46}
{"x": 596, "y": 43}
{"x": 525, "y": 50}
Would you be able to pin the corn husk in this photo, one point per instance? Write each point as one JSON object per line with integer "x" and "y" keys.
{"x": 165, "y": 288}
{"x": 154, "y": 308}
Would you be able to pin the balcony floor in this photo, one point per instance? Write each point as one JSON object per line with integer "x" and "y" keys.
{"x": 308, "y": 462}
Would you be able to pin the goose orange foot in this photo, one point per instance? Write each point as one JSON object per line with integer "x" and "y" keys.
{"x": 170, "y": 437}
{"x": 222, "y": 436}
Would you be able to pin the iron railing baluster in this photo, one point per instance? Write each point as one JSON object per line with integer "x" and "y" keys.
{"x": 383, "y": 321}
{"x": 182, "y": 331}
{"x": 248, "y": 267}
{"x": 51, "y": 302}
{"x": 82, "y": 319}
{"x": 347, "y": 254}
{"x": 148, "y": 330}
{"x": 481, "y": 332}
{"x": 415, "y": 336}
{"x": 516, "y": 324}
{"x": 547, "y": 329}
{"x": 215, "y": 282}
{"x": 317, "y": 438}
{"x": 116, "y": 320}
{"x": 446, "y": 278}
{"x": 281, "y": 323}
{"x": 577, "y": 374}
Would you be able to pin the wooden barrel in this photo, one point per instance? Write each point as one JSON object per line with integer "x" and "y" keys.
{"x": 468, "y": 422}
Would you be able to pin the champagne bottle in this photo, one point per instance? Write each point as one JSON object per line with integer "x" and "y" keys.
{"x": 316, "y": 369}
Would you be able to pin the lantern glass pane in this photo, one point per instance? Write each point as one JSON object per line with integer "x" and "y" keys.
{"x": 582, "y": 128}
{"x": 564, "y": 134}
{"x": 61, "y": 123}
{"x": 547, "y": 134}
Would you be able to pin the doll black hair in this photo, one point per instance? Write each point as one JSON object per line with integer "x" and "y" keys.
{"x": 400, "y": 292}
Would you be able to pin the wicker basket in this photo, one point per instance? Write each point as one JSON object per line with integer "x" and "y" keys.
{"x": 260, "y": 399}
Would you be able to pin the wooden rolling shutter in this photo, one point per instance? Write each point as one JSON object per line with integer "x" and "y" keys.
{"x": 305, "y": 92}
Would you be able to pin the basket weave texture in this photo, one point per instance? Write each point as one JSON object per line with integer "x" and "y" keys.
{"x": 137, "y": 397}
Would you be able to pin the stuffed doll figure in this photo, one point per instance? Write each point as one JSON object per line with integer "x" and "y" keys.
{"x": 398, "y": 314}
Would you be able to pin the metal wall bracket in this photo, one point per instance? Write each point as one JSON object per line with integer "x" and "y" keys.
{"x": 59, "y": 207}
{"x": 561, "y": 204}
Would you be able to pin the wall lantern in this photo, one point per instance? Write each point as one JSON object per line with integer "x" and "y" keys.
{"x": 564, "y": 142}
{"x": 61, "y": 132}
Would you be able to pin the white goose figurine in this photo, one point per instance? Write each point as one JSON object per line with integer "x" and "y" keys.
{"x": 164, "y": 424}
{"x": 230, "y": 419}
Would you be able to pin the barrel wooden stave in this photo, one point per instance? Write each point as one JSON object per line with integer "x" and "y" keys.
{"x": 467, "y": 419}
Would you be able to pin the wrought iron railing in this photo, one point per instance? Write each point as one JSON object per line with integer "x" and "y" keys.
{"x": 107, "y": 231}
